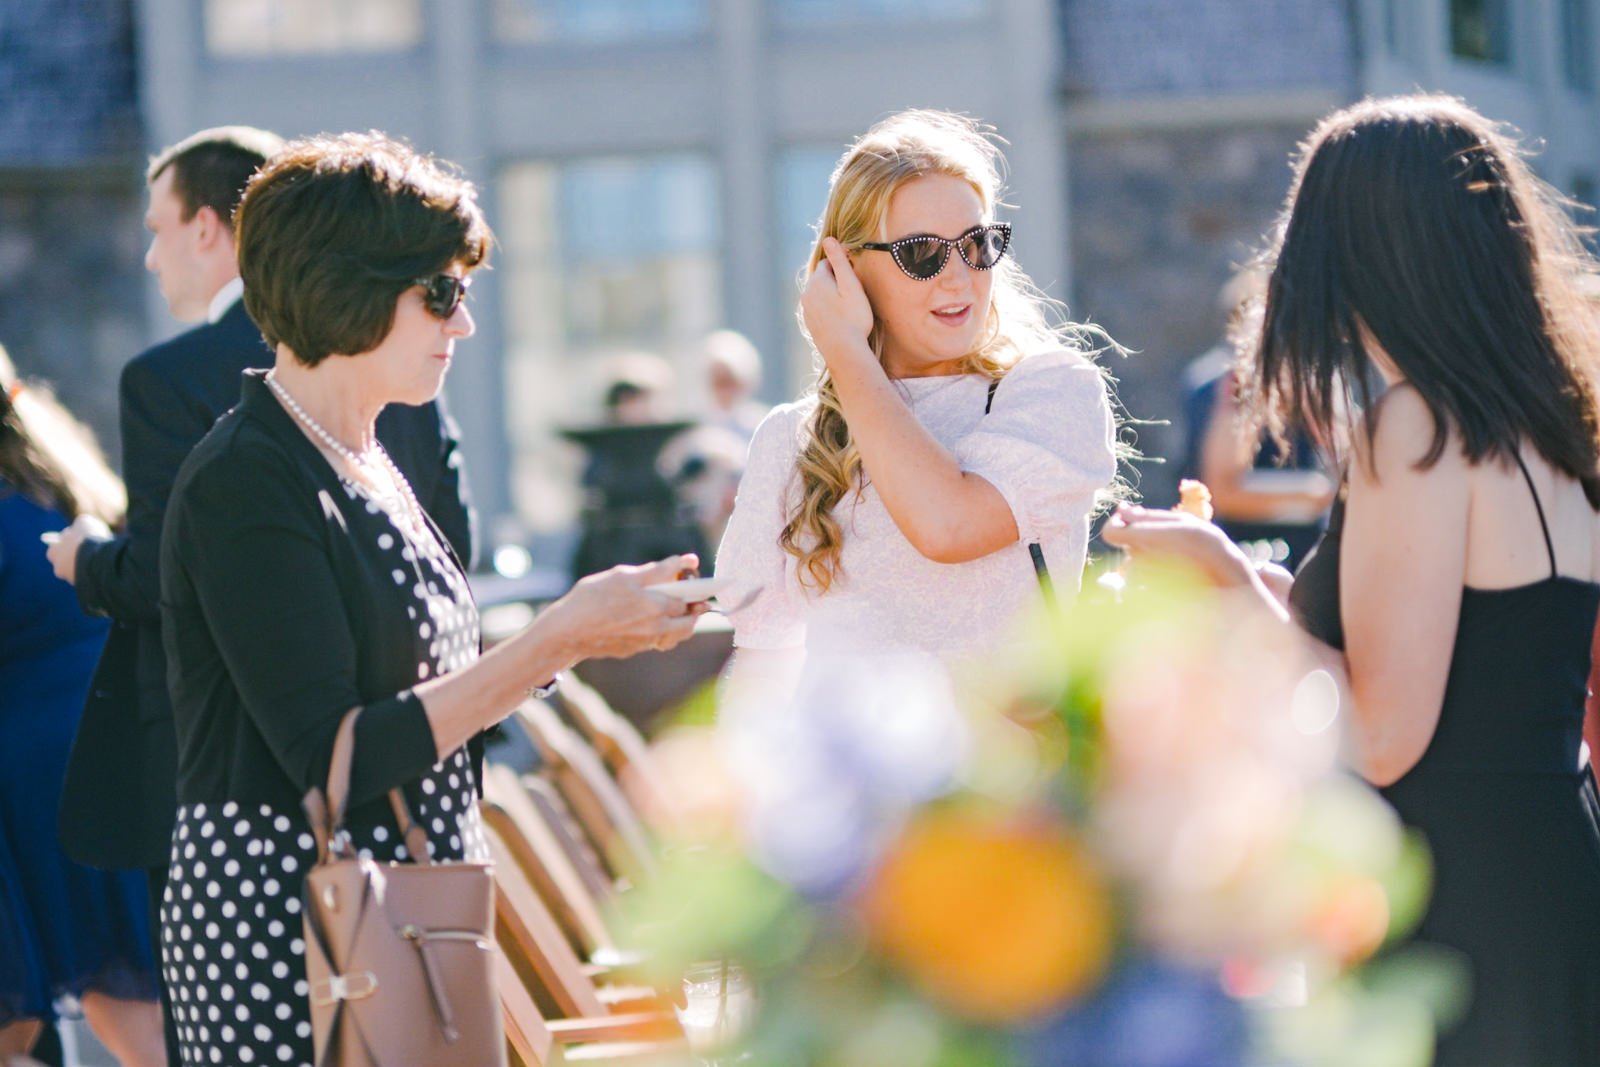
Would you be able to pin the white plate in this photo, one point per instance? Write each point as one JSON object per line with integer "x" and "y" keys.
{"x": 692, "y": 590}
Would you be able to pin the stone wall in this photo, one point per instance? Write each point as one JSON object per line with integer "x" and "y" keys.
{"x": 72, "y": 303}
{"x": 1160, "y": 219}
{"x": 1115, "y": 48}
{"x": 1167, "y": 192}
{"x": 72, "y": 283}
{"x": 67, "y": 82}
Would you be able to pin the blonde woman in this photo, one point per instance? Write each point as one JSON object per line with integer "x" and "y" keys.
{"x": 953, "y": 434}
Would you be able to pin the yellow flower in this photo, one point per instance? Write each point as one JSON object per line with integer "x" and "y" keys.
{"x": 997, "y": 918}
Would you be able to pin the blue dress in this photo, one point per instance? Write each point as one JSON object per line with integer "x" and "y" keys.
{"x": 64, "y": 928}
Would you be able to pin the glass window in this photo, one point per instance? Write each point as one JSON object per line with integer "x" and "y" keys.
{"x": 301, "y": 27}
{"x": 601, "y": 260}
{"x": 1481, "y": 30}
{"x": 1577, "y": 45}
{"x": 802, "y": 176}
{"x": 1391, "y": 26}
{"x": 828, "y": 12}
{"x": 596, "y": 21}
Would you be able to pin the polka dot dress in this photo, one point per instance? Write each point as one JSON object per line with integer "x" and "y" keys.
{"x": 233, "y": 953}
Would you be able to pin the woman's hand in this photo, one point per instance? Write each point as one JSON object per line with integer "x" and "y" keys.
{"x": 835, "y": 307}
{"x": 1157, "y": 531}
{"x": 63, "y": 549}
{"x": 613, "y": 614}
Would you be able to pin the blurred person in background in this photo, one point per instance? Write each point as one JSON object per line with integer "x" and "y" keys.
{"x": 65, "y": 929}
{"x": 638, "y": 390}
{"x": 704, "y": 465}
{"x": 1272, "y": 500}
{"x": 952, "y": 434}
{"x": 302, "y": 579}
{"x": 118, "y": 802}
{"x": 632, "y": 510}
{"x": 732, "y": 375}
{"x": 1456, "y": 587}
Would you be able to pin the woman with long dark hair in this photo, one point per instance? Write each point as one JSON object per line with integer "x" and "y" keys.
{"x": 1424, "y": 280}
{"x": 65, "y": 930}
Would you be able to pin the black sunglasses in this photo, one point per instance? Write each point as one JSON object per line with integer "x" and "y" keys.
{"x": 923, "y": 256}
{"x": 442, "y": 293}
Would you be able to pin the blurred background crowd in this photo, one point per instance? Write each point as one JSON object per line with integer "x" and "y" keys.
{"x": 654, "y": 169}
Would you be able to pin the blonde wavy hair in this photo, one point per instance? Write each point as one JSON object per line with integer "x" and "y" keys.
{"x": 903, "y": 147}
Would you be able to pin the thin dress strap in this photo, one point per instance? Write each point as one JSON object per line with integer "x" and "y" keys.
{"x": 1544, "y": 528}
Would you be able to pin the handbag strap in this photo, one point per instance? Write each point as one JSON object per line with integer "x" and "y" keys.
{"x": 326, "y": 809}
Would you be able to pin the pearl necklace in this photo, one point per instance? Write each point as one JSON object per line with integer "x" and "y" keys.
{"x": 410, "y": 509}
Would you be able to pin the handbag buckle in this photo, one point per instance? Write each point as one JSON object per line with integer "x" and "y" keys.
{"x": 340, "y": 844}
{"x": 337, "y": 987}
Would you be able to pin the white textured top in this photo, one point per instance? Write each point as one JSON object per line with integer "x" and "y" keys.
{"x": 1046, "y": 445}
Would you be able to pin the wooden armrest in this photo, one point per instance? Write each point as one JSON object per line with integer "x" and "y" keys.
{"x": 621, "y": 999}
{"x": 637, "y": 1026}
{"x": 632, "y": 1052}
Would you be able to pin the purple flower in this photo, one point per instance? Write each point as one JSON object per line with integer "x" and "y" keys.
{"x": 1148, "y": 1013}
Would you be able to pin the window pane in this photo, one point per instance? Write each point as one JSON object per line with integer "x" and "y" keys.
{"x": 1577, "y": 44}
{"x": 299, "y": 27}
{"x": 596, "y": 21}
{"x": 1391, "y": 26}
{"x": 601, "y": 259}
{"x": 1480, "y": 29}
{"x": 803, "y": 173}
{"x": 824, "y": 12}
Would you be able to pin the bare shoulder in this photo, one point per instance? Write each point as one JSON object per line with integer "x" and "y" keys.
{"x": 1403, "y": 432}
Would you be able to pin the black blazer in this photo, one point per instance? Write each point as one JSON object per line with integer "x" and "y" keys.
{"x": 118, "y": 802}
{"x": 288, "y": 600}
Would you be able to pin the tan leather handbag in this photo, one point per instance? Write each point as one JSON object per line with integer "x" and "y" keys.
{"x": 399, "y": 956}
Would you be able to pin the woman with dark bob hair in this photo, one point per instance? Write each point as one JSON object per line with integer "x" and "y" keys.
{"x": 1456, "y": 586}
{"x": 301, "y": 580}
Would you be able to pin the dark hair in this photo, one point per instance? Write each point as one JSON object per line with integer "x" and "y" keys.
{"x": 210, "y": 168}
{"x": 48, "y": 456}
{"x": 335, "y": 228}
{"x": 1417, "y": 220}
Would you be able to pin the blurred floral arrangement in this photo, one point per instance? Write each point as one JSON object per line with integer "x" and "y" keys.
{"x": 1127, "y": 844}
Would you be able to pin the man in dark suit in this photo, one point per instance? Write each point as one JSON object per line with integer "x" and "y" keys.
{"x": 119, "y": 801}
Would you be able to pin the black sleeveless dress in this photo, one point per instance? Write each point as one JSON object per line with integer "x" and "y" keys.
{"x": 1512, "y": 820}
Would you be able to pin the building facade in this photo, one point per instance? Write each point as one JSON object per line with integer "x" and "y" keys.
{"x": 653, "y": 167}
{"x": 72, "y": 298}
{"x": 1181, "y": 120}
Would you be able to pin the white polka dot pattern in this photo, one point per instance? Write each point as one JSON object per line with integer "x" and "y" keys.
{"x": 231, "y": 938}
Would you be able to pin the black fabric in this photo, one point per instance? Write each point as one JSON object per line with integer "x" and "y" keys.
{"x": 289, "y": 596}
{"x": 279, "y": 618}
{"x": 233, "y": 950}
{"x": 156, "y": 879}
{"x": 1513, "y": 823}
{"x": 118, "y": 802}
{"x": 1314, "y": 597}
{"x": 47, "y": 1049}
